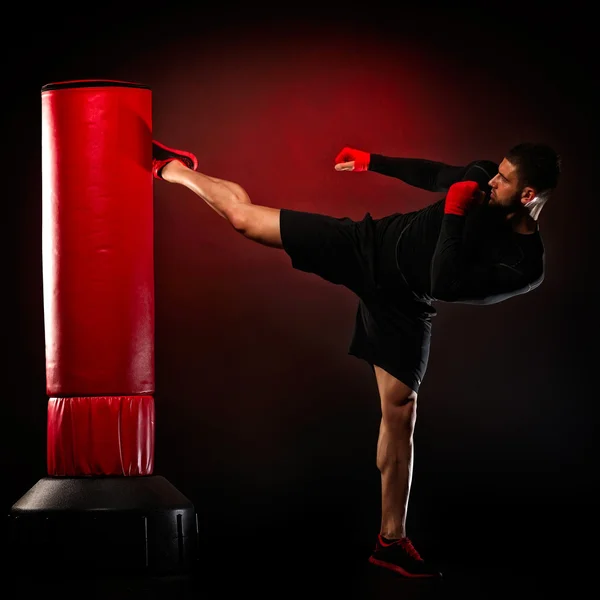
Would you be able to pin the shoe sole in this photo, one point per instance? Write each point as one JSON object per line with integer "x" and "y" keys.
{"x": 401, "y": 571}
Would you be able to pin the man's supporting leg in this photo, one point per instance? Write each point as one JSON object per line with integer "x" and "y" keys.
{"x": 230, "y": 201}
{"x": 395, "y": 451}
{"x": 395, "y": 455}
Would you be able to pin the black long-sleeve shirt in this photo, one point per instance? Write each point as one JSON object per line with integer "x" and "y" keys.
{"x": 472, "y": 259}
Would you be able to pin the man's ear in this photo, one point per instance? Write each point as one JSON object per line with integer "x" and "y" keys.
{"x": 527, "y": 195}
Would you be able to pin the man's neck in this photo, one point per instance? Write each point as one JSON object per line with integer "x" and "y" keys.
{"x": 523, "y": 223}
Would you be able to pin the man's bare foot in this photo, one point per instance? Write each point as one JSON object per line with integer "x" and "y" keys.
{"x": 172, "y": 171}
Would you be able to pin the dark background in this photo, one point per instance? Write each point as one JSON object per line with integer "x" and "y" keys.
{"x": 263, "y": 420}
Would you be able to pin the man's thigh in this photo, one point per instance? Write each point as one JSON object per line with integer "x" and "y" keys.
{"x": 339, "y": 250}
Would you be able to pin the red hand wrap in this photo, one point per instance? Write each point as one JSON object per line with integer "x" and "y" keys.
{"x": 461, "y": 196}
{"x": 361, "y": 159}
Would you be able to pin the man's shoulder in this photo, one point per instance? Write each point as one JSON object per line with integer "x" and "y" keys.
{"x": 489, "y": 168}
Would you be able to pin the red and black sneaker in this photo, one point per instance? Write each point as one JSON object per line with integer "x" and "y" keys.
{"x": 161, "y": 155}
{"x": 401, "y": 557}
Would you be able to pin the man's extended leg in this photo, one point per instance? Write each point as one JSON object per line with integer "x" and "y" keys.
{"x": 230, "y": 201}
{"x": 395, "y": 455}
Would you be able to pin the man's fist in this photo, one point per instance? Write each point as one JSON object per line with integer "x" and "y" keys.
{"x": 350, "y": 159}
{"x": 461, "y": 196}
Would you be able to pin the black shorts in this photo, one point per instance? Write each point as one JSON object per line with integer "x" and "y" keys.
{"x": 393, "y": 325}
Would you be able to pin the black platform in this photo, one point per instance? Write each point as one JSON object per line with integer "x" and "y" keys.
{"x": 108, "y": 525}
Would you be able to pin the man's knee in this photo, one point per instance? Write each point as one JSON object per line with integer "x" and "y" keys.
{"x": 258, "y": 223}
{"x": 398, "y": 401}
{"x": 239, "y": 217}
{"x": 399, "y": 410}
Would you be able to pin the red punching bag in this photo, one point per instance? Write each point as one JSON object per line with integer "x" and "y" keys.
{"x": 98, "y": 286}
{"x": 97, "y": 232}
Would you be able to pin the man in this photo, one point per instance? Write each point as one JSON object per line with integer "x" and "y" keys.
{"x": 479, "y": 244}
